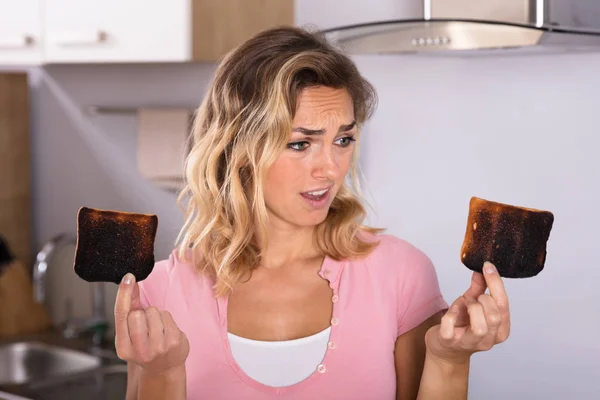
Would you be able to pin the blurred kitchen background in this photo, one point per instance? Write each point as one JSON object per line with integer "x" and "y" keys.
{"x": 90, "y": 89}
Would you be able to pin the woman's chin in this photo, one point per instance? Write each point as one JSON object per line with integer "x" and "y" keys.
{"x": 303, "y": 219}
{"x": 315, "y": 219}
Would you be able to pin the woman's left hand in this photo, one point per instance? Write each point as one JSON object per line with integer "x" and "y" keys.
{"x": 476, "y": 321}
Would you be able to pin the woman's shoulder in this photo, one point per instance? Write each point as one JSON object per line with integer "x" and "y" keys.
{"x": 396, "y": 259}
{"x": 392, "y": 249}
{"x": 164, "y": 268}
{"x": 173, "y": 271}
{"x": 407, "y": 275}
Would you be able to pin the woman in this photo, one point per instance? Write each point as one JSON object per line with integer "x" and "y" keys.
{"x": 276, "y": 289}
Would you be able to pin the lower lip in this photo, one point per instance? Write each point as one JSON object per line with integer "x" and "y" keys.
{"x": 317, "y": 204}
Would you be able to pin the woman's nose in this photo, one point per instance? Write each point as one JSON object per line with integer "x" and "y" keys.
{"x": 325, "y": 165}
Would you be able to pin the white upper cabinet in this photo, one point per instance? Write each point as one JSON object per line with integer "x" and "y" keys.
{"x": 91, "y": 31}
{"x": 131, "y": 31}
{"x": 21, "y": 32}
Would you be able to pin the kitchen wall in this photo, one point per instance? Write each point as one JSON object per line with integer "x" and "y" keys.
{"x": 83, "y": 160}
{"x": 433, "y": 105}
{"x": 521, "y": 130}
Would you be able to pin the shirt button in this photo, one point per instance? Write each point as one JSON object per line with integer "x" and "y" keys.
{"x": 321, "y": 368}
{"x": 335, "y": 298}
{"x": 334, "y": 321}
{"x": 326, "y": 272}
{"x": 332, "y": 345}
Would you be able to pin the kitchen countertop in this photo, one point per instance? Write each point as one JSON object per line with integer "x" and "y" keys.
{"x": 52, "y": 337}
{"x": 8, "y": 396}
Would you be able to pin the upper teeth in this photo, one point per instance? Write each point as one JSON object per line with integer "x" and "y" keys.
{"x": 318, "y": 192}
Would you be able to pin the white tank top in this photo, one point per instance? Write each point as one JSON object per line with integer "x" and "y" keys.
{"x": 281, "y": 363}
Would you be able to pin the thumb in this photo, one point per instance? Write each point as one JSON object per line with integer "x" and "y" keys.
{"x": 123, "y": 305}
{"x": 125, "y": 295}
{"x": 478, "y": 286}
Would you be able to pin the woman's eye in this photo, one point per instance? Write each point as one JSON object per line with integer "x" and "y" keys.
{"x": 346, "y": 141}
{"x": 298, "y": 146}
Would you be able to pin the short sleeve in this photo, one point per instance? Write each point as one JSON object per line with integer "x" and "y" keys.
{"x": 154, "y": 288}
{"x": 419, "y": 294}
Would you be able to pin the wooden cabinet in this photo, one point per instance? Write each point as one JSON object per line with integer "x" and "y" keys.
{"x": 21, "y": 32}
{"x": 132, "y": 31}
{"x": 15, "y": 165}
{"x": 220, "y": 25}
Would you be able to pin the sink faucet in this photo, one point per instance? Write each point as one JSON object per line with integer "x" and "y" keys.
{"x": 97, "y": 323}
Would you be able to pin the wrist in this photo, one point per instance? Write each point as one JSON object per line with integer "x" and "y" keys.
{"x": 170, "y": 374}
{"x": 162, "y": 384}
{"x": 444, "y": 379}
{"x": 449, "y": 365}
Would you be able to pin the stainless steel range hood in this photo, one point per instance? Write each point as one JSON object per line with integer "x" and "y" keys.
{"x": 476, "y": 25}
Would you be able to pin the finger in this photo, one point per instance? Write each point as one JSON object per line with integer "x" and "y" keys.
{"x": 448, "y": 323}
{"x": 170, "y": 327}
{"x": 498, "y": 293}
{"x": 478, "y": 326}
{"x": 462, "y": 315}
{"x": 138, "y": 332}
{"x": 478, "y": 286}
{"x": 493, "y": 319}
{"x": 156, "y": 334}
{"x": 121, "y": 311}
{"x": 136, "y": 301}
{"x": 174, "y": 337}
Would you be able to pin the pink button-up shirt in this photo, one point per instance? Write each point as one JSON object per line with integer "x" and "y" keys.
{"x": 375, "y": 300}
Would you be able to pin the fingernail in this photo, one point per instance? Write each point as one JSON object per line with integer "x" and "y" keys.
{"x": 454, "y": 309}
{"x": 128, "y": 278}
{"x": 488, "y": 267}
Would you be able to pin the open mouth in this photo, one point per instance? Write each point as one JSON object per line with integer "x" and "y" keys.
{"x": 316, "y": 195}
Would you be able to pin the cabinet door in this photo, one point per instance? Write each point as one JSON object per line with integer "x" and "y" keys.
{"x": 20, "y": 32}
{"x": 117, "y": 31}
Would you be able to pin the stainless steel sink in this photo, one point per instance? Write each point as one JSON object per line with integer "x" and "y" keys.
{"x": 105, "y": 383}
{"x": 26, "y": 362}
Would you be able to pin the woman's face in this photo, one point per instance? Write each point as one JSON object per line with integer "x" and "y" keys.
{"x": 306, "y": 177}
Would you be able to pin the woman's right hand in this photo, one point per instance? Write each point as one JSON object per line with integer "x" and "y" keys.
{"x": 147, "y": 337}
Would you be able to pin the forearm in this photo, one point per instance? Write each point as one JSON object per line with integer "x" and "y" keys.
{"x": 170, "y": 385}
{"x": 443, "y": 381}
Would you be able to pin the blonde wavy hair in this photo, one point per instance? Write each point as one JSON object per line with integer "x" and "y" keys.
{"x": 241, "y": 127}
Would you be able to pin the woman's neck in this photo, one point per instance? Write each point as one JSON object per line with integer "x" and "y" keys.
{"x": 287, "y": 245}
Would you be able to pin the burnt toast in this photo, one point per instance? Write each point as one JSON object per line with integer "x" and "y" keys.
{"x": 112, "y": 243}
{"x": 512, "y": 238}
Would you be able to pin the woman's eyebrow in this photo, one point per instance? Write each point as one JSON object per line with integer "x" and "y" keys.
{"x": 346, "y": 128}
{"x": 309, "y": 132}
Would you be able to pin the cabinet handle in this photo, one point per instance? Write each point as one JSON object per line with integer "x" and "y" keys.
{"x": 16, "y": 41}
{"x": 80, "y": 38}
